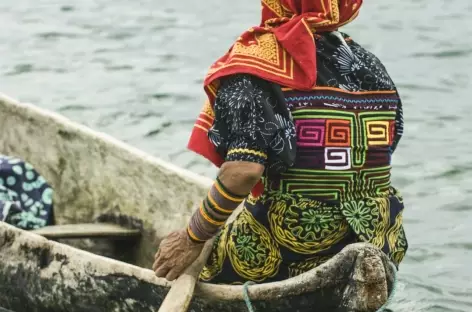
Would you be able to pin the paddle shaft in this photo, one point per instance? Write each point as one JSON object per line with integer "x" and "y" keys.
{"x": 180, "y": 294}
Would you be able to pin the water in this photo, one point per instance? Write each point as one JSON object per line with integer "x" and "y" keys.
{"x": 134, "y": 69}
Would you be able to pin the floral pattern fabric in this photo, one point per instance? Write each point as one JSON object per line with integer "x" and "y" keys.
{"x": 26, "y": 199}
{"x": 253, "y": 124}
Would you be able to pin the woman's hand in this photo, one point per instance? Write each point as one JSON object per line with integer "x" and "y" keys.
{"x": 176, "y": 253}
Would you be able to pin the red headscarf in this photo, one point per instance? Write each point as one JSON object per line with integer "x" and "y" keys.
{"x": 280, "y": 50}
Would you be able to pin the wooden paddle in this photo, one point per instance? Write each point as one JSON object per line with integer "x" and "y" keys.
{"x": 180, "y": 294}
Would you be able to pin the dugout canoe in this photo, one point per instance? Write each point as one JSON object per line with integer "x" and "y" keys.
{"x": 98, "y": 178}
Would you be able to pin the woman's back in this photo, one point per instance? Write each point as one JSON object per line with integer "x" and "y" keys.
{"x": 347, "y": 127}
{"x": 303, "y": 123}
{"x": 337, "y": 191}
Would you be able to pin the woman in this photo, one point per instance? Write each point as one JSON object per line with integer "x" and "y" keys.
{"x": 302, "y": 122}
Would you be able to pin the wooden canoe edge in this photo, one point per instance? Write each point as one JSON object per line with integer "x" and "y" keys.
{"x": 20, "y": 239}
{"x": 318, "y": 278}
{"x": 368, "y": 287}
{"x": 327, "y": 274}
{"x": 93, "y": 173}
{"x": 105, "y": 138}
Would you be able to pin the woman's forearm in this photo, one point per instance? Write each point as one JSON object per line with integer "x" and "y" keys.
{"x": 234, "y": 182}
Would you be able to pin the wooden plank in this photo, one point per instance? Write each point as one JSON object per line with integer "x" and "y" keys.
{"x": 86, "y": 230}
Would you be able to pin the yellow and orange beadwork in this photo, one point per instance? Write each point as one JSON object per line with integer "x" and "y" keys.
{"x": 213, "y": 212}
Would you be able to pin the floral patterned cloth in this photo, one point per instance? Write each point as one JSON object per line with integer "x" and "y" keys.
{"x": 327, "y": 155}
{"x": 252, "y": 123}
{"x": 25, "y": 197}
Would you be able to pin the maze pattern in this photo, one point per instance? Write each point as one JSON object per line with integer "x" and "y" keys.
{"x": 341, "y": 152}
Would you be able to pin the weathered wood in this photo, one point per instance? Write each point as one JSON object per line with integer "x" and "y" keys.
{"x": 93, "y": 173}
{"x": 180, "y": 295}
{"x": 86, "y": 230}
{"x": 40, "y": 275}
{"x": 96, "y": 177}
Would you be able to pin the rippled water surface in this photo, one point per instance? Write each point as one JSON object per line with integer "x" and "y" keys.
{"x": 134, "y": 69}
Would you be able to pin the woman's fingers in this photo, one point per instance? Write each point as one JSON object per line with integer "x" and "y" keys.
{"x": 156, "y": 258}
{"x": 174, "y": 273}
{"x": 174, "y": 255}
{"x": 162, "y": 261}
{"x": 162, "y": 271}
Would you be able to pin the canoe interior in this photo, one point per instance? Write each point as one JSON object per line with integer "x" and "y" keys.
{"x": 98, "y": 178}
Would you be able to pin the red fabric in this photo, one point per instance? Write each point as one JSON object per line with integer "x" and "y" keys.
{"x": 280, "y": 50}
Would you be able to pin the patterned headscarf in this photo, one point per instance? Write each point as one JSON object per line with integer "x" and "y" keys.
{"x": 281, "y": 50}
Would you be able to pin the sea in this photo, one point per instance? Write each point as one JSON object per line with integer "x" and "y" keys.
{"x": 134, "y": 69}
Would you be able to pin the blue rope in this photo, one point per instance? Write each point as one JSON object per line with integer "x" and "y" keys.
{"x": 383, "y": 308}
{"x": 246, "y": 296}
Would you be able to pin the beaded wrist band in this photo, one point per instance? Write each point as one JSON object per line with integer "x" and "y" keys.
{"x": 213, "y": 212}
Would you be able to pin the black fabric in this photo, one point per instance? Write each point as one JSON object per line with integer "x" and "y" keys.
{"x": 251, "y": 116}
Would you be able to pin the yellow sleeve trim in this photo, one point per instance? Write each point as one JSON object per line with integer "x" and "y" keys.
{"x": 247, "y": 151}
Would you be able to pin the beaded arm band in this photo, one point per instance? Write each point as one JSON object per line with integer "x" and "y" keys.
{"x": 213, "y": 212}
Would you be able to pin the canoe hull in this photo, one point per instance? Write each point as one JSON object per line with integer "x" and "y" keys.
{"x": 98, "y": 178}
{"x": 39, "y": 275}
